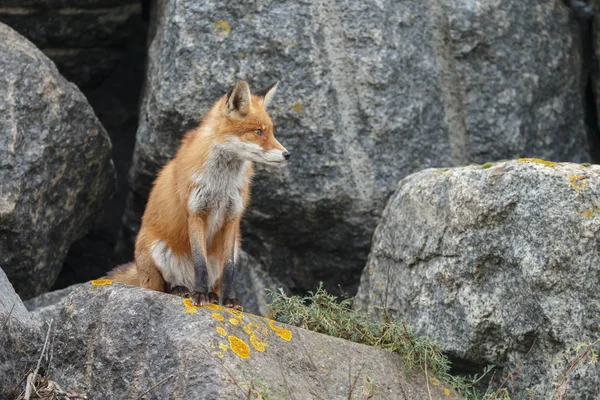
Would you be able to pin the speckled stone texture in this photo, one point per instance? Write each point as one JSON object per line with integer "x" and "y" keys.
{"x": 370, "y": 92}
{"x": 495, "y": 263}
{"x": 55, "y": 167}
{"x": 116, "y": 341}
{"x": 20, "y": 339}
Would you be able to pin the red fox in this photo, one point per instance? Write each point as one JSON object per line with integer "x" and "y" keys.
{"x": 190, "y": 232}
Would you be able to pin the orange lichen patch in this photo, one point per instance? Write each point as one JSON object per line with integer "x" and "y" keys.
{"x": 258, "y": 344}
{"x": 221, "y": 331}
{"x": 235, "y": 313}
{"x": 239, "y": 347}
{"x": 281, "y": 332}
{"x": 191, "y": 310}
{"x": 102, "y": 282}
{"x": 222, "y": 28}
{"x": 213, "y": 307}
{"x": 578, "y": 182}
{"x": 297, "y": 107}
{"x": 539, "y": 161}
{"x": 188, "y": 303}
{"x": 589, "y": 213}
{"x": 233, "y": 321}
{"x": 223, "y": 347}
{"x": 217, "y": 316}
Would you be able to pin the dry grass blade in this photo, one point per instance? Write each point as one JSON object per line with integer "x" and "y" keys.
{"x": 155, "y": 386}
{"x": 31, "y": 379}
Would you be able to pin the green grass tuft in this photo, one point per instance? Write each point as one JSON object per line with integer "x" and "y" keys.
{"x": 322, "y": 312}
{"x": 487, "y": 165}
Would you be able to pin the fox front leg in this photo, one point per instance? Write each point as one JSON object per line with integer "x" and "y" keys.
{"x": 200, "y": 295}
{"x": 227, "y": 286}
{"x": 582, "y": 8}
{"x": 228, "y": 277}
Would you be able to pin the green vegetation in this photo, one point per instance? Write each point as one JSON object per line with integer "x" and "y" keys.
{"x": 322, "y": 312}
{"x": 487, "y": 165}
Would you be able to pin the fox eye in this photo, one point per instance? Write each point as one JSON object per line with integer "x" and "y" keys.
{"x": 259, "y": 132}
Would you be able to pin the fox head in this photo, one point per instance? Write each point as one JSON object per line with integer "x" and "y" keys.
{"x": 247, "y": 131}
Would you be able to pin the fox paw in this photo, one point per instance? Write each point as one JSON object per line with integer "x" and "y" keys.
{"x": 204, "y": 299}
{"x": 180, "y": 291}
{"x": 233, "y": 303}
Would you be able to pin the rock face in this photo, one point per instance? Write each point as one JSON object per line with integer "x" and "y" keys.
{"x": 499, "y": 264}
{"x": 55, "y": 168}
{"x": 370, "y": 92}
{"x": 121, "y": 342}
{"x": 85, "y": 39}
{"x": 19, "y": 339}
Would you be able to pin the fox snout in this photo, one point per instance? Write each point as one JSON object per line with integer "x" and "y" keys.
{"x": 286, "y": 154}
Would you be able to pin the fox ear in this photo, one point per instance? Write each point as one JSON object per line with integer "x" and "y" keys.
{"x": 238, "y": 100}
{"x": 267, "y": 93}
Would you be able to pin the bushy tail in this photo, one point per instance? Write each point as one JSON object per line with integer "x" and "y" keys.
{"x": 125, "y": 273}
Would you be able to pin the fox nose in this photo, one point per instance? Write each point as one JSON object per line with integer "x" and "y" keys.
{"x": 286, "y": 155}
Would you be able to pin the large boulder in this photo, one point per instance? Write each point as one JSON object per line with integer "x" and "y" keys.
{"x": 55, "y": 167}
{"x": 116, "y": 341}
{"x": 20, "y": 340}
{"x": 370, "y": 92}
{"x": 85, "y": 38}
{"x": 500, "y": 264}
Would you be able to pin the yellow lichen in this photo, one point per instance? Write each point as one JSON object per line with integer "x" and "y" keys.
{"x": 101, "y": 282}
{"x": 188, "y": 303}
{"x": 191, "y": 310}
{"x": 248, "y": 329}
{"x": 578, "y": 182}
{"x": 222, "y": 28}
{"x": 297, "y": 107}
{"x": 446, "y": 392}
{"x": 223, "y": 347}
{"x": 219, "y": 354}
{"x": 212, "y": 307}
{"x": 539, "y": 161}
{"x": 221, "y": 331}
{"x": 239, "y": 347}
{"x": 257, "y": 343}
{"x": 233, "y": 321}
{"x": 435, "y": 382}
{"x": 281, "y": 332}
{"x": 589, "y": 213}
{"x": 217, "y": 316}
{"x": 235, "y": 313}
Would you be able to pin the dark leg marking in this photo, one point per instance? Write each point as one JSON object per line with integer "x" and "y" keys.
{"x": 200, "y": 295}
{"x": 227, "y": 287}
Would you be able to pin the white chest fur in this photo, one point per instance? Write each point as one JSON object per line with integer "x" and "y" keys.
{"x": 218, "y": 189}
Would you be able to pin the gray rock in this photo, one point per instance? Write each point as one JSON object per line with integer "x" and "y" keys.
{"x": 55, "y": 168}
{"x": 86, "y": 39}
{"x": 370, "y": 92}
{"x": 500, "y": 265}
{"x": 20, "y": 339}
{"x": 252, "y": 282}
{"x": 47, "y": 306}
{"x": 122, "y": 342}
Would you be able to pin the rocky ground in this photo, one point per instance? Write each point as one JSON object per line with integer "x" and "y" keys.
{"x": 409, "y": 104}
